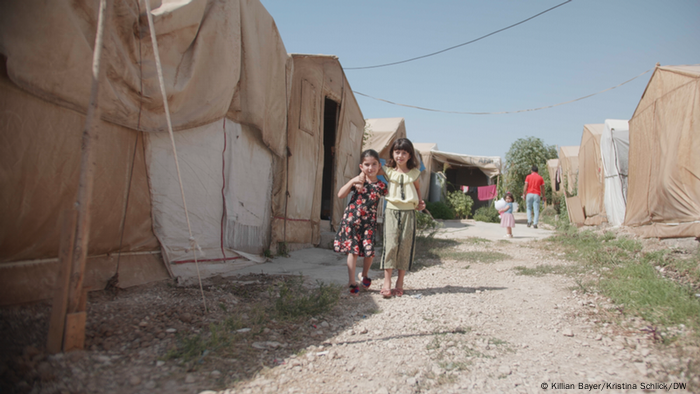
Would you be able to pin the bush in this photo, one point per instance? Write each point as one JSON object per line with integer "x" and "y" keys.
{"x": 487, "y": 214}
{"x": 426, "y": 225}
{"x": 440, "y": 210}
{"x": 460, "y": 203}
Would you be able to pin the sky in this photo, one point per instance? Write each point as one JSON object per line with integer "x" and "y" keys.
{"x": 577, "y": 49}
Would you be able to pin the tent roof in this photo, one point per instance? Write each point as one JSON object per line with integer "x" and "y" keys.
{"x": 596, "y": 128}
{"x": 424, "y": 147}
{"x": 569, "y": 151}
{"x": 489, "y": 165}
{"x": 382, "y": 133}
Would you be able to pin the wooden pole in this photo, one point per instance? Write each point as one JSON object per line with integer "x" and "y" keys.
{"x": 75, "y": 318}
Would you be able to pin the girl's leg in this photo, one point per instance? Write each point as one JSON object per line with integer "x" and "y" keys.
{"x": 509, "y": 230}
{"x": 352, "y": 264}
{"x": 366, "y": 263}
{"x": 399, "y": 283}
{"x": 386, "y": 288}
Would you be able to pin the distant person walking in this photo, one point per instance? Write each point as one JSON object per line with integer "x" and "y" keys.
{"x": 532, "y": 192}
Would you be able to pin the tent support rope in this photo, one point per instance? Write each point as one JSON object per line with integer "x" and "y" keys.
{"x": 193, "y": 243}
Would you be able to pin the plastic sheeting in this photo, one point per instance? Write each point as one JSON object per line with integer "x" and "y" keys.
{"x": 591, "y": 185}
{"x": 614, "y": 150}
{"x": 663, "y": 198}
{"x": 227, "y": 178}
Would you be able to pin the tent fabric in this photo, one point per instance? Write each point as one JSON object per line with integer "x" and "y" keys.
{"x": 614, "y": 150}
{"x": 422, "y": 149}
{"x": 39, "y": 171}
{"x": 221, "y": 156}
{"x": 552, "y": 169}
{"x": 298, "y": 179}
{"x": 228, "y": 82}
{"x": 591, "y": 185}
{"x": 568, "y": 159}
{"x": 663, "y": 198}
{"x": 382, "y": 133}
{"x": 201, "y": 45}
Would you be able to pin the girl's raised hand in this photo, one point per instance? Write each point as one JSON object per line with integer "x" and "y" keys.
{"x": 360, "y": 181}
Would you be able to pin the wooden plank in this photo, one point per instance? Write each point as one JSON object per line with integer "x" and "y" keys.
{"x": 74, "y": 338}
{"x": 60, "y": 300}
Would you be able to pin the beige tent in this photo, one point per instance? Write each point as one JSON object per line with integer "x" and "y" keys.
{"x": 591, "y": 180}
{"x": 227, "y": 75}
{"x": 422, "y": 149}
{"x": 663, "y": 198}
{"x": 568, "y": 159}
{"x": 324, "y": 135}
{"x": 463, "y": 170}
{"x": 382, "y": 132}
{"x": 554, "y": 172}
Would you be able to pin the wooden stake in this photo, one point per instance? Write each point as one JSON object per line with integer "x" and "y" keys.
{"x": 74, "y": 337}
{"x": 54, "y": 344}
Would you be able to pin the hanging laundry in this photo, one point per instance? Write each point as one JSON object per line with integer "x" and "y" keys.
{"x": 487, "y": 192}
{"x": 465, "y": 189}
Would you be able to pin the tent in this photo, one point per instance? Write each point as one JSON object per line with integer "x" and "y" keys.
{"x": 324, "y": 136}
{"x": 382, "y": 132}
{"x": 422, "y": 149}
{"x": 568, "y": 159}
{"x": 663, "y": 198}
{"x": 591, "y": 185}
{"x": 614, "y": 150}
{"x": 228, "y": 80}
{"x": 463, "y": 170}
{"x": 554, "y": 171}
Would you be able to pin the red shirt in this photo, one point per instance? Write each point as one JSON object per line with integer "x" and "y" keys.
{"x": 534, "y": 181}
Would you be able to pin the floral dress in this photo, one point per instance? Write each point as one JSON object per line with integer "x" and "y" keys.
{"x": 356, "y": 232}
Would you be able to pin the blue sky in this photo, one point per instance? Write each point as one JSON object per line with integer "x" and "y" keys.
{"x": 580, "y": 48}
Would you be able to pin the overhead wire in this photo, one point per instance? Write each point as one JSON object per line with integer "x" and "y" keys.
{"x": 459, "y": 45}
{"x": 502, "y": 112}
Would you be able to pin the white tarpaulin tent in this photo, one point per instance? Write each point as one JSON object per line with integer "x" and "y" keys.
{"x": 614, "y": 150}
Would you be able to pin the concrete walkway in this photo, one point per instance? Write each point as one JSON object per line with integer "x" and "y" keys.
{"x": 330, "y": 267}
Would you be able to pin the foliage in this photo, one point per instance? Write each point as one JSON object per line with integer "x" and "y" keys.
{"x": 295, "y": 299}
{"x": 488, "y": 214}
{"x": 460, "y": 203}
{"x": 426, "y": 225}
{"x": 440, "y": 210}
{"x": 522, "y": 155}
{"x": 366, "y": 135}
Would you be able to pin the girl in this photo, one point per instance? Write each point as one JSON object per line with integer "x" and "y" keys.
{"x": 507, "y": 218}
{"x": 402, "y": 172}
{"x": 356, "y": 232}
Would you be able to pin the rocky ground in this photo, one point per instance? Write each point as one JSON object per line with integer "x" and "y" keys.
{"x": 460, "y": 326}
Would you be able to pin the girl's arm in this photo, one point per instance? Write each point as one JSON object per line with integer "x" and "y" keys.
{"x": 421, "y": 203}
{"x": 345, "y": 190}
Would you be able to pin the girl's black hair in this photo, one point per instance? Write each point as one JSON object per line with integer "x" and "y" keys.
{"x": 509, "y": 194}
{"x": 405, "y": 145}
{"x": 369, "y": 153}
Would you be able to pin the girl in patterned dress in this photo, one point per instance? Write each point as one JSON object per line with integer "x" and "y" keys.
{"x": 355, "y": 236}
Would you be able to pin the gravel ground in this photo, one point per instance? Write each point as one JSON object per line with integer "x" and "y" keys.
{"x": 460, "y": 326}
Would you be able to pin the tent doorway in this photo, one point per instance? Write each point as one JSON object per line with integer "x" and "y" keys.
{"x": 330, "y": 128}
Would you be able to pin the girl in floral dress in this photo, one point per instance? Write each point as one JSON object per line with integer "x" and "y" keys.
{"x": 355, "y": 236}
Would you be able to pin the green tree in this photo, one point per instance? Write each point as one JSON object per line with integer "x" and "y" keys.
{"x": 522, "y": 155}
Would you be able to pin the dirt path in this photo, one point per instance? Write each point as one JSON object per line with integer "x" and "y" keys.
{"x": 461, "y": 326}
{"x": 470, "y": 326}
